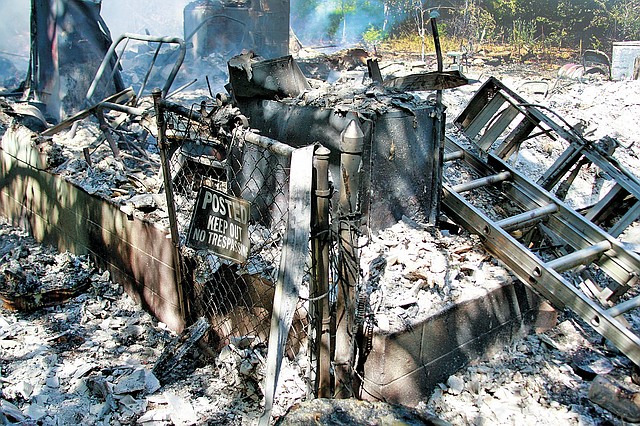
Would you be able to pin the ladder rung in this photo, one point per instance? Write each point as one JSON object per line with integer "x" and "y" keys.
{"x": 522, "y": 218}
{"x": 454, "y": 155}
{"x": 624, "y": 307}
{"x": 504, "y": 119}
{"x": 488, "y": 180}
{"x": 579, "y": 257}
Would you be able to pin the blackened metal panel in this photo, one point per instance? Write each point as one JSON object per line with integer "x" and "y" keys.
{"x": 272, "y": 27}
{"x": 271, "y": 78}
{"x": 226, "y": 27}
{"x": 405, "y": 168}
{"x": 69, "y": 40}
{"x": 402, "y": 163}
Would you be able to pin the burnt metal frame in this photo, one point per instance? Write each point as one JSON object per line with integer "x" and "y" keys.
{"x": 108, "y": 59}
{"x": 485, "y": 110}
{"x": 211, "y": 18}
{"x": 589, "y": 243}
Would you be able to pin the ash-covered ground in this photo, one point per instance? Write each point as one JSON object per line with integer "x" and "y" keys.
{"x": 90, "y": 360}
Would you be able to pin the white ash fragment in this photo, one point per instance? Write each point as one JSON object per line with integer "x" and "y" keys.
{"x": 412, "y": 273}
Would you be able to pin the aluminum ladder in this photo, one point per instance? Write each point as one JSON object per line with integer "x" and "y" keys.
{"x": 580, "y": 247}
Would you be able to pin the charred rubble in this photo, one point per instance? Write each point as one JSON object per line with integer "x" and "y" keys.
{"x": 416, "y": 258}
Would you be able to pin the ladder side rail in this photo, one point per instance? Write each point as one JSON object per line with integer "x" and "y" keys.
{"x": 611, "y": 166}
{"x": 575, "y": 229}
{"x": 548, "y": 283}
{"x": 626, "y": 220}
{"x": 578, "y": 232}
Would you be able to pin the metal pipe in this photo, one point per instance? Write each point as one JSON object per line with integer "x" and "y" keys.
{"x": 267, "y": 143}
{"x": 436, "y": 42}
{"x": 185, "y": 112}
{"x": 477, "y": 183}
{"x": 523, "y": 218}
{"x": 451, "y": 156}
{"x": 320, "y": 249}
{"x": 123, "y": 108}
{"x": 579, "y": 257}
{"x": 351, "y": 145}
{"x": 146, "y": 77}
{"x": 168, "y": 188}
{"x": 181, "y": 88}
{"x": 624, "y": 307}
{"x": 141, "y": 37}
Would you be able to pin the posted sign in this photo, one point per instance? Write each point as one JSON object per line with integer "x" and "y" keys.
{"x": 220, "y": 223}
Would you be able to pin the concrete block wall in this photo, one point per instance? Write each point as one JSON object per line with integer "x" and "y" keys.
{"x": 404, "y": 367}
{"x": 138, "y": 254}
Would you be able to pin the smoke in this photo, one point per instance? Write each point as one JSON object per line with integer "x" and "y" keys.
{"x": 341, "y": 22}
{"x": 158, "y": 17}
{"x": 14, "y": 39}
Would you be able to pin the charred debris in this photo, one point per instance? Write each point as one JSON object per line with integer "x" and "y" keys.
{"x": 104, "y": 137}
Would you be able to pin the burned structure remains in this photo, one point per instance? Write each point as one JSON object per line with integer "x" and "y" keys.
{"x": 226, "y": 27}
{"x": 243, "y": 218}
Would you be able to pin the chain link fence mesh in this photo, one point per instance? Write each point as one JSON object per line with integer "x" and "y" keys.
{"x": 203, "y": 148}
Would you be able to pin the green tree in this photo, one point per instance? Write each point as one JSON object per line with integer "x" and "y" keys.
{"x": 625, "y": 17}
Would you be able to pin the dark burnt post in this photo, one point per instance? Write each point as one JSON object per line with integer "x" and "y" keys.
{"x": 320, "y": 307}
{"x": 168, "y": 188}
{"x": 351, "y": 145}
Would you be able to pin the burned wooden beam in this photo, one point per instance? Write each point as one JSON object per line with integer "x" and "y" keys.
{"x": 174, "y": 353}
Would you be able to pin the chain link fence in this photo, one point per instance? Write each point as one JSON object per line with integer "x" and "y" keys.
{"x": 210, "y": 157}
{"x": 229, "y": 273}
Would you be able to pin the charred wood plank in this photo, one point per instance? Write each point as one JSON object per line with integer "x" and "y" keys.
{"x": 173, "y": 354}
{"x": 120, "y": 97}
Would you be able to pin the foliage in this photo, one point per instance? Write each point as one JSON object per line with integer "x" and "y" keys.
{"x": 523, "y": 36}
{"x": 373, "y": 35}
{"x": 625, "y": 20}
{"x": 412, "y": 43}
{"x": 471, "y": 22}
{"x": 528, "y": 25}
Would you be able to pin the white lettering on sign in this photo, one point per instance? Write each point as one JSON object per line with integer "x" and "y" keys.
{"x": 233, "y": 209}
{"x": 220, "y": 223}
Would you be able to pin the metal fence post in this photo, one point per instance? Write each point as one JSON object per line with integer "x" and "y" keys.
{"x": 351, "y": 144}
{"x": 320, "y": 313}
{"x": 168, "y": 189}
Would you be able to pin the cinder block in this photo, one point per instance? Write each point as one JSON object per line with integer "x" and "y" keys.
{"x": 405, "y": 367}
{"x": 136, "y": 253}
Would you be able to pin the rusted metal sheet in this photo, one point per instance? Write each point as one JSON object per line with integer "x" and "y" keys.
{"x": 272, "y": 78}
{"x": 437, "y": 80}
